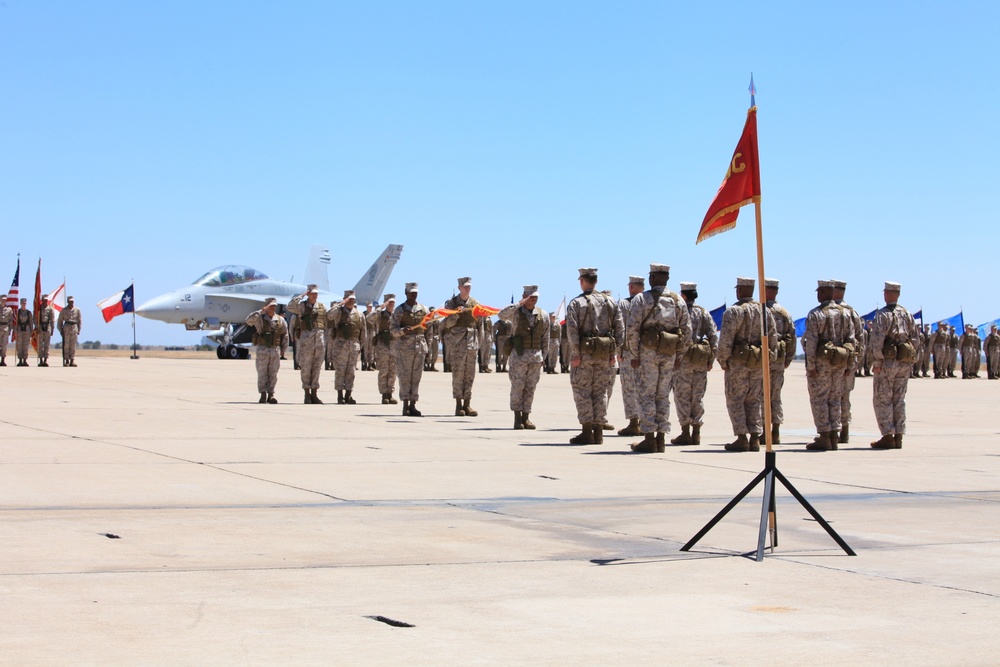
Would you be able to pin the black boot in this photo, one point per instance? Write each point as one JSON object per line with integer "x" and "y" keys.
{"x": 459, "y": 409}
{"x": 413, "y": 410}
{"x": 518, "y": 421}
{"x": 315, "y": 398}
{"x": 406, "y": 408}
{"x": 309, "y": 398}
{"x": 340, "y": 397}
{"x": 271, "y": 399}
{"x": 348, "y": 399}
{"x": 263, "y": 397}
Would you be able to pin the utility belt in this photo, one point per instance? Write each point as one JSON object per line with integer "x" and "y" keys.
{"x": 903, "y": 352}
{"x": 597, "y": 346}
{"x": 384, "y": 337}
{"x": 519, "y": 344}
{"x": 699, "y": 354}
{"x": 23, "y": 327}
{"x": 747, "y": 354}
{"x": 663, "y": 342}
{"x": 264, "y": 339}
{"x": 838, "y": 356}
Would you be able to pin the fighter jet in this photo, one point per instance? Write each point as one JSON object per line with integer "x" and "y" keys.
{"x": 219, "y": 302}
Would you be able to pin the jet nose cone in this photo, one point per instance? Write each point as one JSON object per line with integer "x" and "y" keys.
{"x": 163, "y": 308}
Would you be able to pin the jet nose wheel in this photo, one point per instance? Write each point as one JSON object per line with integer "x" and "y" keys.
{"x": 220, "y": 352}
{"x": 232, "y": 352}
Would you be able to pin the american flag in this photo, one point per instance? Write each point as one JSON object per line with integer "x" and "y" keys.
{"x": 14, "y": 292}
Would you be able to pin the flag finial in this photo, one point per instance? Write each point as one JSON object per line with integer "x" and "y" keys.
{"x": 753, "y": 91}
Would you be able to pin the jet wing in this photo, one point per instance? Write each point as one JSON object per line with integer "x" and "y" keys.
{"x": 235, "y": 308}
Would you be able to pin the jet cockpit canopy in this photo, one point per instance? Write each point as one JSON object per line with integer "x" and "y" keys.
{"x": 232, "y": 274}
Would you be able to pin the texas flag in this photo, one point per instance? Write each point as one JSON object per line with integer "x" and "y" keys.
{"x": 122, "y": 302}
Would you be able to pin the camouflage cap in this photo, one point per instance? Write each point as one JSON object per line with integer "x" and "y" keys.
{"x": 636, "y": 280}
{"x": 24, "y": 300}
{"x": 588, "y": 273}
{"x": 411, "y": 288}
{"x": 270, "y": 301}
{"x": 689, "y": 287}
{"x": 892, "y": 287}
{"x": 389, "y": 297}
{"x": 462, "y": 282}
{"x": 530, "y": 290}
{"x": 770, "y": 282}
{"x": 45, "y": 297}
{"x": 659, "y": 268}
{"x": 312, "y": 289}
{"x": 69, "y": 298}
{"x": 745, "y": 282}
{"x": 820, "y": 284}
{"x": 349, "y": 294}
{"x": 839, "y": 284}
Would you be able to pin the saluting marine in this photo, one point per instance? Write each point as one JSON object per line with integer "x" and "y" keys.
{"x": 311, "y": 344}
{"x": 25, "y": 326}
{"x": 410, "y": 347}
{"x": 70, "y": 322}
{"x": 347, "y": 327}
{"x": 657, "y": 336}
{"x": 528, "y": 341}
{"x": 270, "y": 336}
{"x": 691, "y": 378}
{"x": 894, "y": 340}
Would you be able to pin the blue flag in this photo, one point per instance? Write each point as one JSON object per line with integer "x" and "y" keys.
{"x": 717, "y": 315}
{"x": 919, "y": 315}
{"x": 800, "y": 327}
{"x": 868, "y": 317}
{"x": 984, "y": 329}
{"x": 957, "y": 321}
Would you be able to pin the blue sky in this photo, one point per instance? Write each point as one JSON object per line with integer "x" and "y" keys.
{"x": 513, "y": 142}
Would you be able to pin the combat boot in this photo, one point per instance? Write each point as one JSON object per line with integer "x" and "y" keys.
{"x": 459, "y": 410}
{"x": 821, "y": 443}
{"x": 586, "y": 436}
{"x": 845, "y": 434}
{"x": 739, "y": 445}
{"x": 605, "y": 426}
{"x": 754, "y": 444}
{"x": 469, "y": 412}
{"x": 308, "y": 397}
{"x": 340, "y": 397}
{"x": 646, "y": 446}
{"x": 897, "y": 441}
{"x": 661, "y": 444}
{"x": 263, "y": 397}
{"x": 834, "y": 437}
{"x": 886, "y": 442}
{"x": 775, "y": 434}
{"x": 348, "y": 398}
{"x": 598, "y": 434}
{"x": 518, "y": 421}
{"x": 684, "y": 439}
{"x": 406, "y": 408}
{"x": 271, "y": 399}
{"x": 632, "y": 428}
{"x": 413, "y": 410}
{"x": 527, "y": 422}
{"x": 392, "y": 401}
{"x": 695, "y": 434}
{"x": 315, "y": 398}
{"x": 385, "y": 399}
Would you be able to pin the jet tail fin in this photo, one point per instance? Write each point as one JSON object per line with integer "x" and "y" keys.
{"x": 316, "y": 268}
{"x": 371, "y": 285}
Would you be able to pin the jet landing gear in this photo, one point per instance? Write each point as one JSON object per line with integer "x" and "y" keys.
{"x": 232, "y": 352}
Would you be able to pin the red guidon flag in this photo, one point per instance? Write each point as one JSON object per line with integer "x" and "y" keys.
{"x": 740, "y": 187}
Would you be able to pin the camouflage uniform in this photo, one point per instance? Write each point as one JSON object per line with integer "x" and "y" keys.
{"x": 992, "y": 346}
{"x": 784, "y": 328}
{"x": 857, "y": 327}
{"x": 347, "y": 328}
{"x": 691, "y": 379}
{"x": 868, "y": 357}
{"x": 939, "y": 341}
{"x": 594, "y": 331}
{"x": 892, "y": 328}
{"x": 461, "y": 332}
{"x": 741, "y": 326}
{"x": 433, "y": 336}
{"x": 563, "y": 347}
{"x": 826, "y": 372}
{"x": 972, "y": 348}
{"x": 952, "y": 351}
{"x": 628, "y": 374}
{"x": 25, "y": 325}
{"x": 6, "y": 323}
{"x": 650, "y": 314}
{"x": 552, "y": 353}
{"x": 384, "y": 358}
{"x": 368, "y": 344}
{"x": 310, "y": 341}
{"x": 529, "y": 338}
{"x": 925, "y": 343}
{"x": 46, "y": 325}
{"x": 485, "y": 344}
{"x": 410, "y": 349}
{"x": 271, "y": 340}
{"x": 69, "y": 324}
{"x": 330, "y": 335}
{"x": 501, "y": 334}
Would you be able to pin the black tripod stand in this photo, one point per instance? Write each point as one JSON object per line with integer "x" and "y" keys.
{"x": 768, "y": 475}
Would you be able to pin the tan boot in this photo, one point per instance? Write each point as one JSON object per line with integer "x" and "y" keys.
{"x": 695, "y": 434}
{"x": 607, "y": 427}
{"x": 754, "y": 444}
{"x": 885, "y": 442}
{"x": 646, "y": 446}
{"x": 518, "y": 421}
{"x": 660, "y": 442}
{"x": 834, "y": 438}
{"x": 897, "y": 441}
{"x": 632, "y": 428}
{"x": 598, "y": 434}
{"x": 821, "y": 443}
{"x": 527, "y": 422}
{"x": 845, "y": 434}
{"x": 586, "y": 436}
{"x": 775, "y": 434}
{"x": 684, "y": 438}
{"x": 741, "y": 444}
{"x": 469, "y": 412}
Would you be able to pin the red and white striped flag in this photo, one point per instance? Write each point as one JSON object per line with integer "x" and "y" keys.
{"x": 12, "y": 297}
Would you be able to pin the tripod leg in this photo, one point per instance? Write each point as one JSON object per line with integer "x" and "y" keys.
{"x": 773, "y": 520}
{"x": 725, "y": 510}
{"x": 764, "y": 512}
{"x": 814, "y": 514}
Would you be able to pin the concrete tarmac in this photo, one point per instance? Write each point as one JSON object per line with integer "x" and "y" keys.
{"x": 153, "y": 513}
